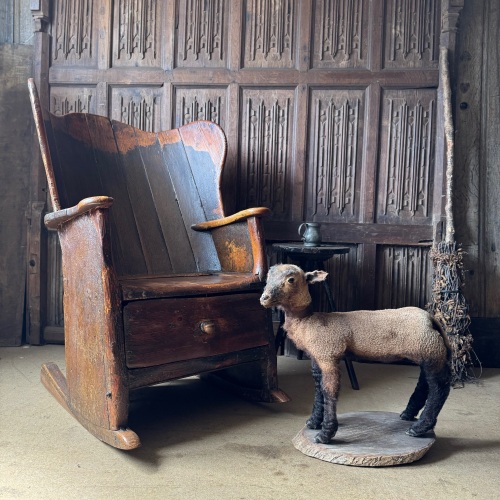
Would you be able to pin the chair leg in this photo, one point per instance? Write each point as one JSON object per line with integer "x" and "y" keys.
{"x": 279, "y": 341}
{"x": 352, "y": 374}
{"x": 348, "y": 363}
{"x": 55, "y": 382}
{"x": 255, "y": 380}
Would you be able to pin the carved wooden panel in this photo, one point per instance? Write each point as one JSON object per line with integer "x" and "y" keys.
{"x": 64, "y": 100}
{"x": 136, "y": 33}
{"x": 270, "y": 33}
{"x": 335, "y": 140}
{"x": 139, "y": 107}
{"x": 329, "y": 106}
{"x": 74, "y": 33}
{"x": 407, "y": 156}
{"x": 411, "y": 33}
{"x": 194, "y": 103}
{"x": 403, "y": 277}
{"x": 266, "y": 149}
{"x": 343, "y": 280}
{"x": 340, "y": 31}
{"x": 202, "y": 33}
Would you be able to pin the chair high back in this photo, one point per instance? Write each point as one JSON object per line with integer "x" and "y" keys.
{"x": 161, "y": 183}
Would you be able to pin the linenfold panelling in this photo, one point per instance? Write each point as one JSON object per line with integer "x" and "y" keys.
{"x": 330, "y": 107}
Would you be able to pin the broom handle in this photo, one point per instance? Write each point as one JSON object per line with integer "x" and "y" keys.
{"x": 448, "y": 132}
{"x": 44, "y": 144}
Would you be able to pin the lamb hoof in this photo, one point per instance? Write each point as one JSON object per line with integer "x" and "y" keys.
{"x": 417, "y": 431}
{"x": 406, "y": 416}
{"x": 411, "y": 432}
{"x": 323, "y": 438}
{"x": 313, "y": 424}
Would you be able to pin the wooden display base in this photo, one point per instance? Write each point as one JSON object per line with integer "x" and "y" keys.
{"x": 367, "y": 439}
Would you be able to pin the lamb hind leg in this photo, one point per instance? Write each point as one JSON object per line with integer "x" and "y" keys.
{"x": 330, "y": 383}
{"x": 316, "y": 419}
{"x": 417, "y": 399}
{"x": 439, "y": 389}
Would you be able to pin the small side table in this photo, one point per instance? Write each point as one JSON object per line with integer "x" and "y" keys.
{"x": 309, "y": 259}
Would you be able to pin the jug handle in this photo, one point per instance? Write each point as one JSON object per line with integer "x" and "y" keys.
{"x": 304, "y": 224}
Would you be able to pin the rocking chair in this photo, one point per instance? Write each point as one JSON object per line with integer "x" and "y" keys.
{"x": 159, "y": 283}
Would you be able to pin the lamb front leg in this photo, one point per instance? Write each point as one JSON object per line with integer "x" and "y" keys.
{"x": 330, "y": 384}
{"x": 316, "y": 419}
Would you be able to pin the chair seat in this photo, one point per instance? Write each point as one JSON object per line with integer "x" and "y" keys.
{"x": 184, "y": 285}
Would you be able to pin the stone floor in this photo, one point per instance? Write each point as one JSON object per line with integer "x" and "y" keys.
{"x": 199, "y": 442}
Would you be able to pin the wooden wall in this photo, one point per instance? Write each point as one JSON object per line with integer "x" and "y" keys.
{"x": 477, "y": 157}
{"x": 15, "y": 164}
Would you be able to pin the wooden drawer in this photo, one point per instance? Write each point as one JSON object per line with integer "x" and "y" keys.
{"x": 168, "y": 330}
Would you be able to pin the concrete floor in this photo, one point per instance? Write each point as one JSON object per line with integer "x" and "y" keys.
{"x": 199, "y": 442}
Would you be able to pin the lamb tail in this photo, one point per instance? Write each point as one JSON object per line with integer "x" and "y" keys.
{"x": 437, "y": 326}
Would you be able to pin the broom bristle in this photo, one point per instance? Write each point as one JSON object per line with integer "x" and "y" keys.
{"x": 450, "y": 309}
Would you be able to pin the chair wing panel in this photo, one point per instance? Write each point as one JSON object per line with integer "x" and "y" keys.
{"x": 206, "y": 147}
{"x": 75, "y": 166}
{"x": 87, "y": 163}
{"x": 128, "y": 253}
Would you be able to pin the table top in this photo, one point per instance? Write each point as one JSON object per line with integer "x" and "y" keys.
{"x": 323, "y": 250}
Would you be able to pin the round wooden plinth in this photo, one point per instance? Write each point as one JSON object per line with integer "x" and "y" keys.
{"x": 367, "y": 439}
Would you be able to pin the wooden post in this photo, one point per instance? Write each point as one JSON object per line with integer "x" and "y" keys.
{"x": 36, "y": 255}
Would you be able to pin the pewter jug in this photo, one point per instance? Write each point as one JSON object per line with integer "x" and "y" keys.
{"x": 310, "y": 233}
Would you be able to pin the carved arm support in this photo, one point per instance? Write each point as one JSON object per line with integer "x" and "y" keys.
{"x": 240, "y": 242}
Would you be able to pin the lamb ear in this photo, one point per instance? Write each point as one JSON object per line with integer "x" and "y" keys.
{"x": 316, "y": 276}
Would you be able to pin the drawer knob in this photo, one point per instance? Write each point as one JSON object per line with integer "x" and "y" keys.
{"x": 208, "y": 327}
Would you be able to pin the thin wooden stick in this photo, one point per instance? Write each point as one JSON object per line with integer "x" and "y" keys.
{"x": 448, "y": 131}
{"x": 44, "y": 145}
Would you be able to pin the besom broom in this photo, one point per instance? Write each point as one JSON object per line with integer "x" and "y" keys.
{"x": 448, "y": 304}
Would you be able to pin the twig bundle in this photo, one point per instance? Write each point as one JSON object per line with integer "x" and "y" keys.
{"x": 449, "y": 307}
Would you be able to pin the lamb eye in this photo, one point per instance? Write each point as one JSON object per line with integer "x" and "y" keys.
{"x": 291, "y": 280}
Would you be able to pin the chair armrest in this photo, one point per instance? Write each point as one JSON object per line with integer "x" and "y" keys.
{"x": 54, "y": 219}
{"x": 239, "y": 240}
{"x": 237, "y": 217}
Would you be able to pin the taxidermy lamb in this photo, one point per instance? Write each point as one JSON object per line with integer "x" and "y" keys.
{"x": 388, "y": 335}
